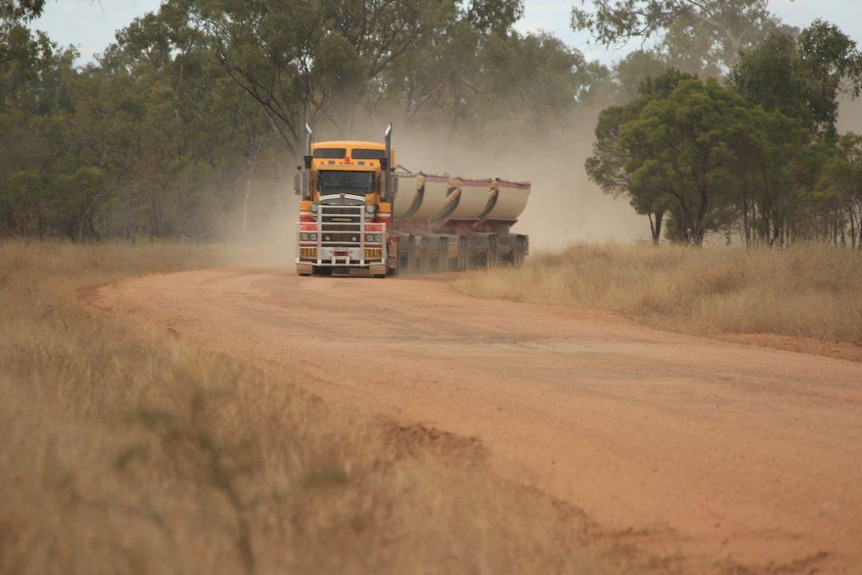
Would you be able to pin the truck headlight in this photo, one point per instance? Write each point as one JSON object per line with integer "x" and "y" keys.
{"x": 303, "y": 236}
{"x": 371, "y": 208}
{"x": 314, "y": 208}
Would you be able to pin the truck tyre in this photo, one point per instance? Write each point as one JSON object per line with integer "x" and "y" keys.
{"x": 425, "y": 255}
{"x": 491, "y": 260}
{"x": 519, "y": 252}
{"x": 463, "y": 254}
{"x": 443, "y": 255}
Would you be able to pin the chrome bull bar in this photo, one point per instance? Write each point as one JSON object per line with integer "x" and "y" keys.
{"x": 341, "y": 236}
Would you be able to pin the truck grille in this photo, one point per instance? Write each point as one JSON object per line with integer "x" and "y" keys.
{"x": 341, "y": 236}
{"x": 341, "y": 225}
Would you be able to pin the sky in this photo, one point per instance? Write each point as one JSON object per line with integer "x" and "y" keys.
{"x": 90, "y": 25}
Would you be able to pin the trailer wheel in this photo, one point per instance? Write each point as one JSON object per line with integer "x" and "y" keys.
{"x": 393, "y": 262}
{"x": 491, "y": 260}
{"x": 425, "y": 255}
{"x": 411, "y": 255}
{"x": 519, "y": 252}
{"x": 415, "y": 255}
{"x": 463, "y": 254}
{"x": 443, "y": 255}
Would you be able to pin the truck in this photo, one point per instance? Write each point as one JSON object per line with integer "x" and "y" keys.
{"x": 360, "y": 213}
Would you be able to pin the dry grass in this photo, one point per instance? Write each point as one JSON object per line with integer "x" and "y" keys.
{"x": 810, "y": 291}
{"x": 124, "y": 452}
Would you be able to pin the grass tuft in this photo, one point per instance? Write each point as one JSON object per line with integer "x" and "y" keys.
{"x": 809, "y": 291}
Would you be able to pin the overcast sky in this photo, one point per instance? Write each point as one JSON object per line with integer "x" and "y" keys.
{"x": 90, "y": 24}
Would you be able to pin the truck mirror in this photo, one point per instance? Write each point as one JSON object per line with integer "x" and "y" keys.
{"x": 297, "y": 183}
{"x": 307, "y": 162}
{"x": 384, "y": 164}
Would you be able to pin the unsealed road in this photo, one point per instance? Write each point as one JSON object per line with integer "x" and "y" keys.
{"x": 684, "y": 445}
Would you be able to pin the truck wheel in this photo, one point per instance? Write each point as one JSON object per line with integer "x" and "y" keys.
{"x": 492, "y": 252}
{"x": 425, "y": 255}
{"x": 463, "y": 255}
{"x": 443, "y": 255}
{"x": 519, "y": 252}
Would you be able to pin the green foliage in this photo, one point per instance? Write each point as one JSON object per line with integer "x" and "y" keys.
{"x": 698, "y": 36}
{"x": 616, "y": 156}
{"x": 802, "y": 77}
{"x": 189, "y": 125}
{"x": 700, "y": 153}
{"x": 840, "y": 188}
{"x": 684, "y": 145}
{"x": 186, "y": 126}
{"x": 771, "y": 76}
{"x": 535, "y": 75}
{"x": 828, "y": 59}
{"x": 758, "y": 158}
{"x": 21, "y": 9}
{"x": 496, "y": 16}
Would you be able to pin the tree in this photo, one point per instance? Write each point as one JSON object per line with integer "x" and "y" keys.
{"x": 21, "y": 9}
{"x": 802, "y": 77}
{"x": 831, "y": 65}
{"x": 631, "y": 72}
{"x": 841, "y": 186}
{"x": 613, "y": 157}
{"x": 17, "y": 42}
{"x": 300, "y": 60}
{"x": 712, "y": 31}
{"x": 772, "y": 170}
{"x": 496, "y": 16}
{"x": 770, "y": 75}
{"x": 468, "y": 82}
{"x": 675, "y": 149}
{"x": 528, "y": 83}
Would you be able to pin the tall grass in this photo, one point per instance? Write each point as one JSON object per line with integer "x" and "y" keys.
{"x": 810, "y": 291}
{"x": 125, "y": 452}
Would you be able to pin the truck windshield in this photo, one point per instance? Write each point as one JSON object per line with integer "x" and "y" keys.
{"x": 332, "y": 182}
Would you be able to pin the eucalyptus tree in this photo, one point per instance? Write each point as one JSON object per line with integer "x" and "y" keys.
{"x": 153, "y": 118}
{"x": 679, "y": 150}
{"x": 840, "y": 186}
{"x": 528, "y": 85}
{"x": 31, "y": 100}
{"x": 770, "y": 75}
{"x": 300, "y": 59}
{"x": 700, "y": 36}
{"x": 802, "y": 76}
{"x": 831, "y": 66}
{"x": 21, "y": 9}
{"x": 636, "y": 67}
{"x": 328, "y": 63}
{"x": 16, "y": 39}
{"x": 615, "y": 158}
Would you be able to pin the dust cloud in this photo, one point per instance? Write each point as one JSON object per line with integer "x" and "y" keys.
{"x": 270, "y": 236}
{"x": 564, "y": 207}
{"x": 850, "y": 115}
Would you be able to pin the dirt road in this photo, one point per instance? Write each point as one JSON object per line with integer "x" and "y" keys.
{"x": 678, "y": 444}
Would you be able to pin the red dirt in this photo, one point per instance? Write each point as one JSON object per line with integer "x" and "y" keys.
{"x": 704, "y": 449}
